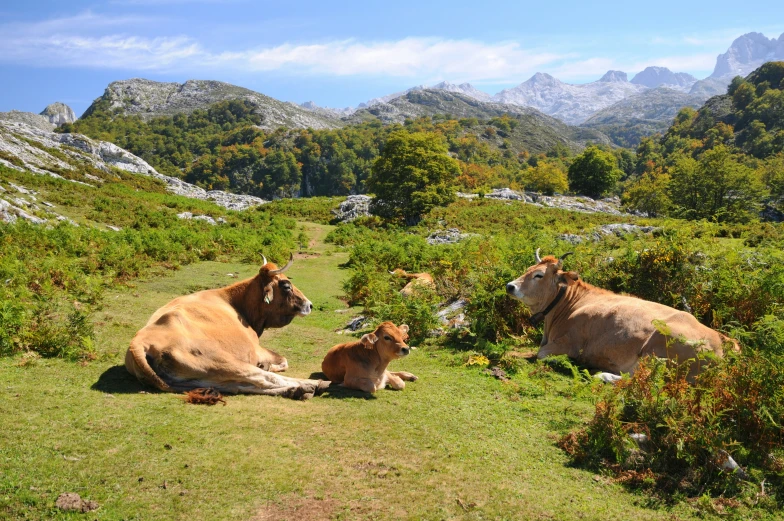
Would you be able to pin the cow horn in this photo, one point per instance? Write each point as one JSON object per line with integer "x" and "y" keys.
{"x": 560, "y": 261}
{"x": 538, "y": 259}
{"x": 284, "y": 268}
{"x": 263, "y": 260}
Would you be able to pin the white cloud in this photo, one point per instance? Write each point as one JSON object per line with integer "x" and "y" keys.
{"x": 115, "y": 42}
{"x": 459, "y": 60}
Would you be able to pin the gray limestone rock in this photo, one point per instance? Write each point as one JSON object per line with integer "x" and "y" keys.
{"x": 353, "y": 207}
{"x": 58, "y": 113}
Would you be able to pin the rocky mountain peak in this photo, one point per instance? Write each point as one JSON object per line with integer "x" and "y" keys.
{"x": 58, "y": 113}
{"x": 653, "y": 77}
{"x": 542, "y": 78}
{"x": 747, "y": 53}
{"x": 613, "y": 76}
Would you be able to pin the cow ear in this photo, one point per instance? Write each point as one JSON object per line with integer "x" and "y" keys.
{"x": 368, "y": 340}
{"x": 567, "y": 276}
{"x": 268, "y": 294}
{"x": 403, "y": 328}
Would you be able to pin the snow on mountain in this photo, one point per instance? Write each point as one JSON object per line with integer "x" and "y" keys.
{"x": 653, "y": 77}
{"x": 572, "y": 104}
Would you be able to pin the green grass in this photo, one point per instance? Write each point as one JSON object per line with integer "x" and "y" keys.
{"x": 457, "y": 444}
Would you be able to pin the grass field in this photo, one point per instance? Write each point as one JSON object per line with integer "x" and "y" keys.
{"x": 456, "y": 444}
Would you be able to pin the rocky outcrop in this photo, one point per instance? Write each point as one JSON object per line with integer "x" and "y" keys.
{"x": 28, "y": 118}
{"x": 508, "y": 194}
{"x": 353, "y": 207}
{"x": 148, "y": 99}
{"x": 54, "y": 153}
{"x": 448, "y": 236}
{"x": 607, "y": 230}
{"x": 58, "y": 113}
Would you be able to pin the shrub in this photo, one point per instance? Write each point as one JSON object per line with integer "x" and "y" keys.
{"x": 733, "y": 409}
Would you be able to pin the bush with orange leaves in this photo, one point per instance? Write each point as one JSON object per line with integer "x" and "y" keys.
{"x": 735, "y": 408}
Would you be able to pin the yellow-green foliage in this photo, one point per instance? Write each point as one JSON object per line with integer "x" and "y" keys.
{"x": 54, "y": 276}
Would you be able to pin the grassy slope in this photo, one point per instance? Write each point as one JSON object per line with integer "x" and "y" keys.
{"x": 452, "y": 445}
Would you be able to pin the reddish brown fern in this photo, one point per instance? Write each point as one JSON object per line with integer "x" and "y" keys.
{"x": 204, "y": 396}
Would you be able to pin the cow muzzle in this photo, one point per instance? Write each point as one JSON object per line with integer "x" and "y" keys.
{"x": 404, "y": 351}
{"x": 306, "y": 308}
{"x": 513, "y": 291}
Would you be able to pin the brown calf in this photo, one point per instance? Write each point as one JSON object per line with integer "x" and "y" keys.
{"x": 363, "y": 364}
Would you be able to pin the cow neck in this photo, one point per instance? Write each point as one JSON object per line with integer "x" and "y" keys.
{"x": 537, "y": 318}
{"x": 245, "y": 297}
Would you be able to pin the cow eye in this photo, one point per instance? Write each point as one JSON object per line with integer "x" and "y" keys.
{"x": 538, "y": 276}
{"x": 386, "y": 337}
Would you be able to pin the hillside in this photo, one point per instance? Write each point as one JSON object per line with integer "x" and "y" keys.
{"x": 536, "y": 132}
{"x": 149, "y": 99}
{"x": 85, "y": 161}
{"x": 750, "y": 116}
{"x": 631, "y": 119}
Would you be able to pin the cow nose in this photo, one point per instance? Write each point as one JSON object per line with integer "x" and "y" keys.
{"x": 307, "y": 308}
{"x": 510, "y": 288}
{"x": 405, "y": 351}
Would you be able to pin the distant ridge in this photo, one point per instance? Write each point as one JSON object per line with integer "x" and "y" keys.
{"x": 149, "y": 99}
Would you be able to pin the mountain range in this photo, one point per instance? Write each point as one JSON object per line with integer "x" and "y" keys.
{"x": 625, "y": 110}
{"x": 613, "y": 99}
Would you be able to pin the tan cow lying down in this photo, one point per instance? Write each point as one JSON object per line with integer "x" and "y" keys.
{"x": 606, "y": 331}
{"x": 211, "y": 339}
{"x": 363, "y": 364}
{"x": 416, "y": 280}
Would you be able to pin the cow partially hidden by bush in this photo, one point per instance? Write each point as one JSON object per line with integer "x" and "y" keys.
{"x": 416, "y": 281}
{"x": 363, "y": 364}
{"x": 211, "y": 339}
{"x": 607, "y": 331}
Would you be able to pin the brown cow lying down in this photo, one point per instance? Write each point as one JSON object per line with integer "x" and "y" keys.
{"x": 606, "y": 331}
{"x": 416, "y": 280}
{"x": 363, "y": 364}
{"x": 211, "y": 339}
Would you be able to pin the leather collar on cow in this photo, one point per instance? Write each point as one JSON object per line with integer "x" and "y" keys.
{"x": 537, "y": 318}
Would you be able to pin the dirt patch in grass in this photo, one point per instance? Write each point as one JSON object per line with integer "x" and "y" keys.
{"x": 308, "y": 508}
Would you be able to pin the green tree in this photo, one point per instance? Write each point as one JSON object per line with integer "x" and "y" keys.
{"x": 280, "y": 175}
{"x": 716, "y": 187}
{"x": 594, "y": 172}
{"x": 413, "y": 175}
{"x": 648, "y": 193}
{"x": 546, "y": 177}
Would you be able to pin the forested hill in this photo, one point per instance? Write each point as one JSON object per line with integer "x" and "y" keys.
{"x": 536, "y": 131}
{"x": 724, "y": 162}
{"x": 749, "y": 117}
{"x": 224, "y": 147}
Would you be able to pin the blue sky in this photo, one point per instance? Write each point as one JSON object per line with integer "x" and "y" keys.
{"x": 342, "y": 53}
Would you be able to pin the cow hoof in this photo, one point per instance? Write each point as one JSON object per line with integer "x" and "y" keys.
{"x": 306, "y": 396}
{"x": 279, "y": 368}
{"x": 322, "y": 386}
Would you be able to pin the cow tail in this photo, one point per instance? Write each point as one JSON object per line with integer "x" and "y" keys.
{"x": 139, "y": 354}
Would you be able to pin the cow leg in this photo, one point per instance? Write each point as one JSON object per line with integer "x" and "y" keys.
{"x": 252, "y": 380}
{"x": 408, "y": 377}
{"x": 270, "y": 360}
{"x": 363, "y": 384}
{"x": 394, "y": 381}
{"x": 552, "y": 348}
